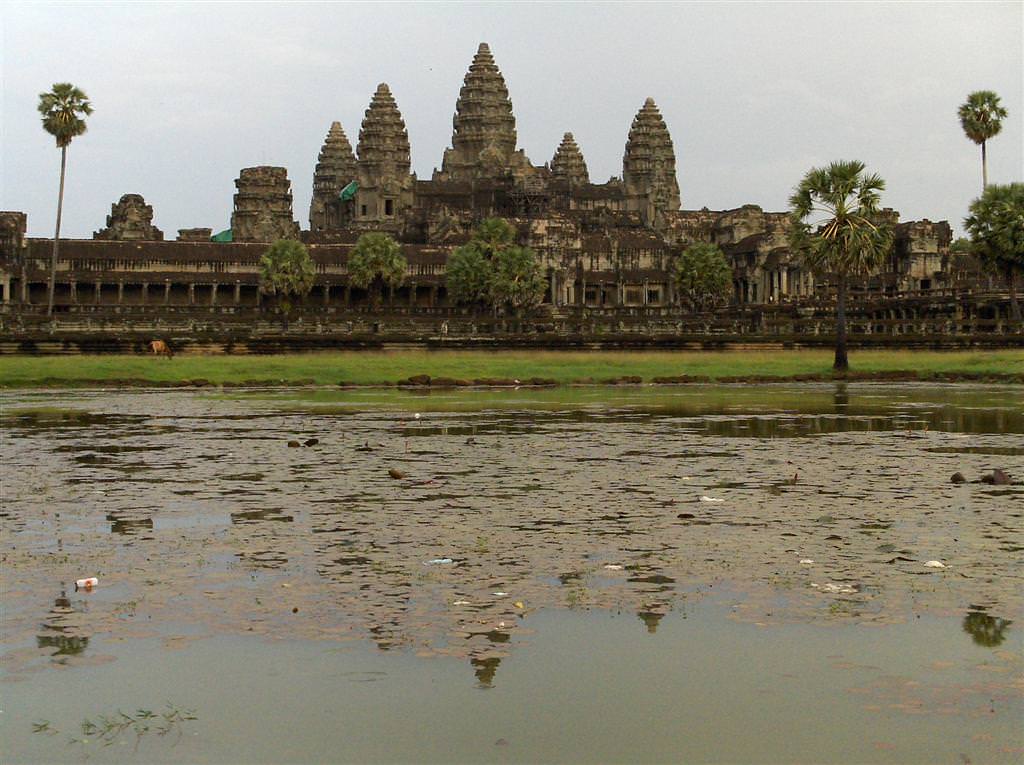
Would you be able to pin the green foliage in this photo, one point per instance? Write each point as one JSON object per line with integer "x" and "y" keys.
{"x": 996, "y": 226}
{"x": 62, "y": 110}
{"x": 493, "y": 235}
{"x": 106, "y": 730}
{"x": 981, "y": 116}
{"x": 835, "y": 220}
{"x": 492, "y": 268}
{"x": 287, "y": 272}
{"x": 835, "y": 228}
{"x": 703, "y": 276}
{"x": 468, "y": 274}
{"x": 376, "y": 259}
{"x": 518, "y": 281}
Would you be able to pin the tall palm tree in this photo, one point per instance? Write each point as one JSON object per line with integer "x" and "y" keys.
{"x": 836, "y": 228}
{"x": 981, "y": 116}
{"x": 62, "y": 109}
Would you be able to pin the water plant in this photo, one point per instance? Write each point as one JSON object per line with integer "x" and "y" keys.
{"x": 107, "y": 729}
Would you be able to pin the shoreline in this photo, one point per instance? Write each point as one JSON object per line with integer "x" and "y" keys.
{"x": 424, "y": 370}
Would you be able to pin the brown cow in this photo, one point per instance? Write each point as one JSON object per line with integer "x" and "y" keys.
{"x": 160, "y": 348}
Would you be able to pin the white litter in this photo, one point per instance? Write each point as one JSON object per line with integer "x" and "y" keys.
{"x": 86, "y": 584}
{"x": 461, "y": 603}
{"x": 842, "y": 589}
{"x": 934, "y": 564}
{"x": 438, "y": 561}
{"x": 806, "y": 562}
{"x": 613, "y": 567}
{"x": 711, "y": 499}
{"x": 499, "y": 594}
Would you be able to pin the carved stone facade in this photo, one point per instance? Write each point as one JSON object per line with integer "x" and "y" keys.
{"x": 568, "y": 164}
{"x": 603, "y": 246}
{"x": 263, "y": 206}
{"x": 335, "y": 170}
{"x": 130, "y": 220}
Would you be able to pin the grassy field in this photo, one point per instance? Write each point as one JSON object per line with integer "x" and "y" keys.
{"x": 371, "y": 367}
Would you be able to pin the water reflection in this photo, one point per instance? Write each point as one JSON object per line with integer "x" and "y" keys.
{"x": 58, "y": 630}
{"x": 485, "y": 669}
{"x": 985, "y": 630}
{"x": 128, "y": 526}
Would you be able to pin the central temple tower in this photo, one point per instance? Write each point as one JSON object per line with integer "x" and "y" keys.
{"x": 484, "y": 128}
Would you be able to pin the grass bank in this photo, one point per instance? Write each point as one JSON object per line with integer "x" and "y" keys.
{"x": 386, "y": 367}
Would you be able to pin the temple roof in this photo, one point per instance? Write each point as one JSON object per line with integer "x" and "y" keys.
{"x": 649, "y": 159}
{"x": 336, "y": 164}
{"x": 383, "y": 139}
{"x": 568, "y": 162}
{"x": 483, "y": 120}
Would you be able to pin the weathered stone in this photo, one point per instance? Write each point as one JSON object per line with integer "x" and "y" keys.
{"x": 997, "y": 478}
{"x": 958, "y": 477}
{"x": 484, "y": 128}
{"x": 335, "y": 169}
{"x": 130, "y": 219}
{"x": 568, "y": 163}
{"x": 385, "y": 185}
{"x": 194, "y": 234}
{"x": 263, "y": 206}
{"x": 649, "y": 162}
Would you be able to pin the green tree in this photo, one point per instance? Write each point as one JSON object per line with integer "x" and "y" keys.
{"x": 981, "y": 117}
{"x": 834, "y": 214}
{"x": 493, "y": 235}
{"x": 468, "y": 275}
{"x": 377, "y": 260}
{"x": 703, "y": 276}
{"x": 996, "y": 226}
{"x": 287, "y": 274}
{"x": 62, "y": 110}
{"x": 518, "y": 281}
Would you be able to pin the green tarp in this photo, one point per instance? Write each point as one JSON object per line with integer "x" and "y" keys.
{"x": 349, "y": 191}
{"x": 223, "y": 236}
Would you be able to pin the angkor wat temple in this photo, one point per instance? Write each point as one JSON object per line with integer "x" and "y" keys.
{"x": 607, "y": 247}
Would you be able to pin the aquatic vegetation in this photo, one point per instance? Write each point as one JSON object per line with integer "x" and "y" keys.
{"x": 107, "y": 729}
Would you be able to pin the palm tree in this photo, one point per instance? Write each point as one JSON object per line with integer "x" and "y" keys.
{"x": 834, "y": 214}
{"x": 982, "y": 117}
{"x": 996, "y": 226}
{"x": 62, "y": 109}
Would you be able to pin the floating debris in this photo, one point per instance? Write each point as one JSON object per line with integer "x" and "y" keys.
{"x": 396, "y": 474}
{"x": 711, "y": 499}
{"x": 806, "y": 561}
{"x": 934, "y": 564}
{"x": 86, "y": 584}
{"x": 613, "y": 567}
{"x": 438, "y": 562}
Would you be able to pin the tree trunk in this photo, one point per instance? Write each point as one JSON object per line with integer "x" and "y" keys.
{"x": 984, "y": 169}
{"x": 56, "y": 235}
{"x": 841, "y": 364}
{"x": 1011, "y": 278}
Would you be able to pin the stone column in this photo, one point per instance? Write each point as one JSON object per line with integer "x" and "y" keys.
{"x": 99, "y": 290}
{"x": 145, "y": 293}
{"x": 784, "y": 274}
{"x": 326, "y": 289}
{"x": 120, "y": 291}
{"x": 191, "y": 294}
{"x": 412, "y": 294}
{"x": 348, "y": 296}
{"x": 74, "y": 291}
{"x": 213, "y": 294}
{"x": 167, "y": 291}
{"x": 554, "y": 295}
{"x": 643, "y": 297}
{"x": 238, "y": 292}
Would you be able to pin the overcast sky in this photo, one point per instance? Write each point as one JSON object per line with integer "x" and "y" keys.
{"x": 754, "y": 94}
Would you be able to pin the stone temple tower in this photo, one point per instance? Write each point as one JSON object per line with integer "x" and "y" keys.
{"x": 568, "y": 163}
{"x": 484, "y": 128}
{"x": 385, "y": 185}
{"x": 335, "y": 169}
{"x": 649, "y": 165}
{"x": 263, "y": 206}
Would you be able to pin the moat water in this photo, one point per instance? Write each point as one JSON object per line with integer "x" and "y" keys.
{"x": 704, "y": 574}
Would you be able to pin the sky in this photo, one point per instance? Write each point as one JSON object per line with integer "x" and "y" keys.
{"x": 754, "y": 94}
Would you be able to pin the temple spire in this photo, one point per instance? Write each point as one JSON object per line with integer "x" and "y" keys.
{"x": 383, "y": 140}
{"x": 649, "y": 162}
{"x": 568, "y": 162}
{"x": 483, "y": 128}
{"x": 335, "y": 168}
